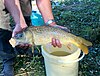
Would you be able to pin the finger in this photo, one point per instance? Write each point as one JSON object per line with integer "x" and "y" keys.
{"x": 24, "y": 46}
{"x": 13, "y": 34}
{"x": 30, "y": 45}
{"x": 58, "y": 44}
{"x": 62, "y": 28}
{"x": 65, "y": 29}
{"x": 54, "y": 42}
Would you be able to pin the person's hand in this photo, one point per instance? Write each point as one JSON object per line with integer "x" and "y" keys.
{"x": 61, "y": 27}
{"x": 19, "y": 29}
{"x": 56, "y": 42}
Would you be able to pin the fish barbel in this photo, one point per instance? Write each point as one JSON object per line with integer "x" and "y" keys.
{"x": 40, "y": 35}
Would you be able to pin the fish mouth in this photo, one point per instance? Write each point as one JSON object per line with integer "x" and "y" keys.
{"x": 12, "y": 42}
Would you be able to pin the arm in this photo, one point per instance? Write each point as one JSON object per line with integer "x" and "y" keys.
{"x": 13, "y": 7}
{"x": 46, "y": 10}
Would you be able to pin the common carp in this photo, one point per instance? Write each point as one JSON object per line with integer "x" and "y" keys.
{"x": 40, "y": 35}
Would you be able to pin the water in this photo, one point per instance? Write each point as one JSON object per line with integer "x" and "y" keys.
{"x": 60, "y": 53}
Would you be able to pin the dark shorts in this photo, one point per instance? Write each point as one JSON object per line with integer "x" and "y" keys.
{"x": 6, "y": 50}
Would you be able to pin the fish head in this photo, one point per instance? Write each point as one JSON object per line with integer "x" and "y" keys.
{"x": 24, "y": 37}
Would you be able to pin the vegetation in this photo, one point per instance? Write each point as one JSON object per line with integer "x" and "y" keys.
{"x": 83, "y": 19}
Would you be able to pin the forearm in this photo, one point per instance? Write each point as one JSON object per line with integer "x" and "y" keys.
{"x": 45, "y": 9}
{"x": 13, "y": 7}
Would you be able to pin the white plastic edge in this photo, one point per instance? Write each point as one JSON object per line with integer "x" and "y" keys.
{"x": 73, "y": 60}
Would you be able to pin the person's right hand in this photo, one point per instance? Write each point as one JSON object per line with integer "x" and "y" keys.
{"x": 62, "y": 27}
{"x": 56, "y": 42}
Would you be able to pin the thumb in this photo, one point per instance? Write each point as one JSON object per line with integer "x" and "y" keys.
{"x": 13, "y": 34}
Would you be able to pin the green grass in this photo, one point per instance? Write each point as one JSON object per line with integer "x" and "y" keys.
{"x": 83, "y": 19}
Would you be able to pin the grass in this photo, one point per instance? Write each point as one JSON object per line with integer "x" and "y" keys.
{"x": 83, "y": 19}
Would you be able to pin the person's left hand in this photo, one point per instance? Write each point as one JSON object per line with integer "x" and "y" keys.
{"x": 17, "y": 30}
{"x": 56, "y": 42}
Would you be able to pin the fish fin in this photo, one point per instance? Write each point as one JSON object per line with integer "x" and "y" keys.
{"x": 69, "y": 47}
{"x": 32, "y": 49}
{"x": 85, "y": 42}
{"x": 84, "y": 48}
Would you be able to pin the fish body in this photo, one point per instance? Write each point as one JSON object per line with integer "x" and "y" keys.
{"x": 40, "y": 35}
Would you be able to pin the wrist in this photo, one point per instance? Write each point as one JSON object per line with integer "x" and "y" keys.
{"x": 22, "y": 25}
{"x": 51, "y": 22}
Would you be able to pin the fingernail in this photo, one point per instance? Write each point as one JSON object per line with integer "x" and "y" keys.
{"x": 58, "y": 43}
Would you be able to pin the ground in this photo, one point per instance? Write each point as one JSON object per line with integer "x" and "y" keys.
{"x": 83, "y": 19}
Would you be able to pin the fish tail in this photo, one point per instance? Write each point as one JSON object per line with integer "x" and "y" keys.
{"x": 83, "y": 47}
{"x": 85, "y": 42}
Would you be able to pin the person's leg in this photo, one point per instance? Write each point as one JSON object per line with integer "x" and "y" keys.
{"x": 7, "y": 53}
{"x": 27, "y": 20}
{"x": 26, "y": 7}
{"x": 8, "y": 69}
{"x": 26, "y": 10}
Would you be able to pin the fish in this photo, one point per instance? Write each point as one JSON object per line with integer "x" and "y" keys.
{"x": 42, "y": 35}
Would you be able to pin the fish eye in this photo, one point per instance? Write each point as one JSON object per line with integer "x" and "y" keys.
{"x": 19, "y": 35}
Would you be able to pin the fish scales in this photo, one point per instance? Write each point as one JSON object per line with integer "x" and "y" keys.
{"x": 44, "y": 35}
